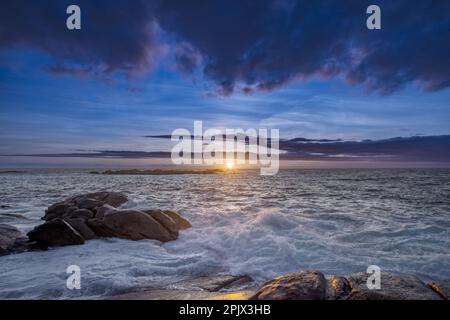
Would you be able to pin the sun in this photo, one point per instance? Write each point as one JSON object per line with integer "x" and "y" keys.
{"x": 230, "y": 164}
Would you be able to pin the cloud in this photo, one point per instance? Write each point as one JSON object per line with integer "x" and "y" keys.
{"x": 416, "y": 148}
{"x": 116, "y": 36}
{"x": 262, "y": 45}
{"x": 406, "y": 149}
{"x": 247, "y": 45}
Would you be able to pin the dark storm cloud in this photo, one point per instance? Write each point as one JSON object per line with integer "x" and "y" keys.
{"x": 115, "y": 35}
{"x": 416, "y": 148}
{"x": 264, "y": 44}
{"x": 248, "y": 45}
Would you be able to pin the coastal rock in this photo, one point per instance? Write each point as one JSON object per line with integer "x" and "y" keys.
{"x": 305, "y": 285}
{"x": 101, "y": 211}
{"x": 216, "y": 283}
{"x": 166, "y": 221}
{"x": 393, "y": 287}
{"x": 81, "y": 226}
{"x": 338, "y": 288}
{"x": 180, "y": 222}
{"x": 54, "y": 233}
{"x": 89, "y": 202}
{"x": 11, "y": 240}
{"x": 218, "y": 287}
{"x": 130, "y": 224}
{"x": 443, "y": 289}
{"x": 169, "y": 219}
{"x": 81, "y": 214}
{"x": 95, "y": 215}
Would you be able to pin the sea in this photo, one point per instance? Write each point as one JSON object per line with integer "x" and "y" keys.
{"x": 339, "y": 221}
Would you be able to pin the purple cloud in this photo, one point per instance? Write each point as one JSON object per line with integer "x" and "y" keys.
{"x": 245, "y": 45}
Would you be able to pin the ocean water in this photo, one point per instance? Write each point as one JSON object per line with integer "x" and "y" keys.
{"x": 337, "y": 221}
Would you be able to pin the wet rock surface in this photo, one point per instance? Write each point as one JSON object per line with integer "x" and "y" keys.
{"x": 393, "y": 286}
{"x": 95, "y": 215}
{"x": 305, "y": 285}
{"x": 220, "y": 287}
{"x": 338, "y": 288}
{"x": 55, "y": 233}
{"x": 12, "y": 240}
{"x": 441, "y": 288}
{"x": 217, "y": 283}
{"x": 312, "y": 285}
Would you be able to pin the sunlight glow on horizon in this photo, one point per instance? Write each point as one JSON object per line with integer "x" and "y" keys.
{"x": 229, "y": 164}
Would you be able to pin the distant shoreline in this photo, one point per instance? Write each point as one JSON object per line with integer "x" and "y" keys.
{"x": 12, "y": 171}
{"x": 195, "y": 170}
{"x": 159, "y": 172}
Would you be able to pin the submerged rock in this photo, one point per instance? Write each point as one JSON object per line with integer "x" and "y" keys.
{"x": 305, "y": 285}
{"x": 393, "y": 287}
{"x": 94, "y": 215}
{"x": 11, "y": 240}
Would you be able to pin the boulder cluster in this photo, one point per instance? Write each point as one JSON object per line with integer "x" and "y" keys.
{"x": 312, "y": 285}
{"x": 92, "y": 216}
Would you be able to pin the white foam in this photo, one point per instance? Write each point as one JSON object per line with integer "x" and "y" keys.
{"x": 270, "y": 227}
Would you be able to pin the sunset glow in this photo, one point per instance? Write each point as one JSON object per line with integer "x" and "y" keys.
{"x": 229, "y": 164}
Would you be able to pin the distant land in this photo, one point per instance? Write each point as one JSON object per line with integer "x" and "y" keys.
{"x": 158, "y": 172}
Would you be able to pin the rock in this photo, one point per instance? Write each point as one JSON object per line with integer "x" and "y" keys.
{"x": 115, "y": 199}
{"x": 102, "y": 211}
{"x": 171, "y": 294}
{"x": 81, "y": 226}
{"x": 165, "y": 220}
{"x": 94, "y": 215}
{"x": 8, "y": 239}
{"x": 181, "y": 222}
{"x": 172, "y": 221}
{"x": 215, "y": 283}
{"x": 22, "y": 244}
{"x": 305, "y": 285}
{"x": 338, "y": 288}
{"x": 130, "y": 224}
{"x": 219, "y": 287}
{"x": 81, "y": 214}
{"x": 443, "y": 289}
{"x": 89, "y": 201}
{"x": 359, "y": 294}
{"x": 393, "y": 287}
{"x": 56, "y": 232}
{"x": 56, "y": 210}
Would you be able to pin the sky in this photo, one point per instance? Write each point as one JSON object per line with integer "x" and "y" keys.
{"x": 136, "y": 68}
